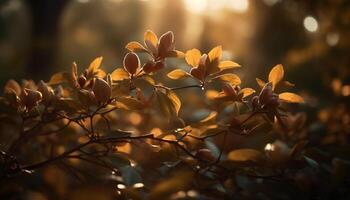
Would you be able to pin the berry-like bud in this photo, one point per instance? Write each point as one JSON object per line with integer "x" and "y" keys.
{"x": 30, "y": 98}
{"x": 101, "y": 90}
{"x": 81, "y": 81}
{"x": 46, "y": 91}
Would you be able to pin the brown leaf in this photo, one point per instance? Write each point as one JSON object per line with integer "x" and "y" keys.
{"x": 131, "y": 63}
{"x": 101, "y": 90}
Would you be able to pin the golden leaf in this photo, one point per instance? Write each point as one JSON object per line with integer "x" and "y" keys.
{"x": 177, "y": 74}
{"x": 210, "y": 118}
{"x": 135, "y": 47}
{"x": 119, "y": 74}
{"x": 95, "y": 64}
{"x": 233, "y": 79}
{"x": 175, "y": 100}
{"x": 247, "y": 92}
{"x": 246, "y": 155}
{"x": 193, "y": 57}
{"x": 276, "y": 75}
{"x": 151, "y": 37}
{"x": 129, "y": 103}
{"x": 58, "y": 78}
{"x": 260, "y": 82}
{"x": 228, "y": 65}
{"x": 291, "y": 97}
{"x": 215, "y": 53}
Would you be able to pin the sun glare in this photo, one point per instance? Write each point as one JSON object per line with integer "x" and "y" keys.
{"x": 201, "y": 6}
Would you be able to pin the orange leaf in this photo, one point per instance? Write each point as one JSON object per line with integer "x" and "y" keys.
{"x": 228, "y": 65}
{"x": 246, "y": 155}
{"x": 193, "y": 57}
{"x": 276, "y": 75}
{"x": 95, "y": 64}
{"x": 291, "y": 97}
{"x": 151, "y": 37}
{"x": 247, "y": 92}
{"x": 119, "y": 74}
{"x": 135, "y": 47}
{"x": 215, "y": 53}
{"x": 260, "y": 82}
{"x": 233, "y": 79}
{"x": 177, "y": 74}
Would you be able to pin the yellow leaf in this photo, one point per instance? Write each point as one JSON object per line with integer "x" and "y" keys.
{"x": 215, "y": 53}
{"x": 95, "y": 64}
{"x": 193, "y": 57}
{"x": 246, "y": 155}
{"x": 177, "y": 74}
{"x": 228, "y": 65}
{"x": 100, "y": 73}
{"x": 150, "y": 36}
{"x": 260, "y": 82}
{"x": 129, "y": 103}
{"x": 291, "y": 97}
{"x": 276, "y": 75}
{"x": 210, "y": 118}
{"x": 135, "y": 47}
{"x": 211, "y": 94}
{"x": 119, "y": 74}
{"x": 233, "y": 79}
{"x": 175, "y": 100}
{"x": 247, "y": 92}
{"x": 58, "y": 78}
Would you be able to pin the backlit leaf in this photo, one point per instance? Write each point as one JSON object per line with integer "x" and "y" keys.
{"x": 175, "y": 100}
{"x": 119, "y": 74}
{"x": 291, "y": 97}
{"x": 193, "y": 57}
{"x": 233, "y": 79}
{"x": 151, "y": 37}
{"x": 228, "y": 65}
{"x": 246, "y": 155}
{"x": 247, "y": 92}
{"x": 135, "y": 47}
{"x": 276, "y": 75}
{"x": 260, "y": 82}
{"x": 95, "y": 64}
{"x": 215, "y": 53}
{"x": 177, "y": 74}
{"x": 58, "y": 78}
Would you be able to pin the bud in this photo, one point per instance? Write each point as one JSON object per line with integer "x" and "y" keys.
{"x": 159, "y": 65}
{"x": 86, "y": 97}
{"x": 148, "y": 67}
{"x": 255, "y": 102}
{"x": 265, "y": 94}
{"x": 30, "y": 98}
{"x": 81, "y": 81}
{"x": 46, "y": 91}
{"x": 101, "y": 90}
{"x": 131, "y": 62}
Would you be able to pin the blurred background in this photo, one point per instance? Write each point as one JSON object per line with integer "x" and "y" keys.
{"x": 310, "y": 38}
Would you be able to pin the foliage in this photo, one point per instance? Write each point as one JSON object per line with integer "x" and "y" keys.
{"x": 133, "y": 137}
